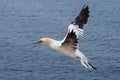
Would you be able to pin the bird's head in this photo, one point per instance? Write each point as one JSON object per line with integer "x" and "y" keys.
{"x": 46, "y": 41}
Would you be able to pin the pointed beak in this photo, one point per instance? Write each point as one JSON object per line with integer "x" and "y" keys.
{"x": 37, "y": 42}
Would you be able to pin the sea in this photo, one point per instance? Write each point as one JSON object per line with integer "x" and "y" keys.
{"x": 25, "y": 21}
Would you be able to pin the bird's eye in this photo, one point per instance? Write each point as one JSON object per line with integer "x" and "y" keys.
{"x": 41, "y": 41}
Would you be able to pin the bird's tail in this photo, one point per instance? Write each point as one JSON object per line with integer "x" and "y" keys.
{"x": 85, "y": 62}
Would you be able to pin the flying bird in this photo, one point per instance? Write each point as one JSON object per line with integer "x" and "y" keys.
{"x": 69, "y": 46}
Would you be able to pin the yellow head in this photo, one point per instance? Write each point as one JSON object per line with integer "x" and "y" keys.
{"x": 46, "y": 41}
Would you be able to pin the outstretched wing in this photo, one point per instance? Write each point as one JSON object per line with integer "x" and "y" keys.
{"x": 82, "y": 17}
{"x": 75, "y": 29}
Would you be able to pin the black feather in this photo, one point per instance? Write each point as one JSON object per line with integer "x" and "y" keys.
{"x": 82, "y": 17}
{"x": 71, "y": 40}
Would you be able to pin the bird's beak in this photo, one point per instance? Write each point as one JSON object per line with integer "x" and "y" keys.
{"x": 37, "y": 42}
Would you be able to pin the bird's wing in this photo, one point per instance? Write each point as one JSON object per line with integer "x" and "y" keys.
{"x": 75, "y": 29}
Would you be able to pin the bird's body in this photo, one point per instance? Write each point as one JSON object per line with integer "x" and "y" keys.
{"x": 69, "y": 46}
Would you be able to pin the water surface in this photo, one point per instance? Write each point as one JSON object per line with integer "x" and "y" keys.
{"x": 25, "y": 21}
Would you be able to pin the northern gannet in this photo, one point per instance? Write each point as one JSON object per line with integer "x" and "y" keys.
{"x": 70, "y": 44}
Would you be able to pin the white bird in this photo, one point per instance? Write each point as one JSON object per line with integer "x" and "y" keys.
{"x": 70, "y": 44}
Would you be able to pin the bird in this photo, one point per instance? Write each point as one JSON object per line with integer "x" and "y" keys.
{"x": 69, "y": 45}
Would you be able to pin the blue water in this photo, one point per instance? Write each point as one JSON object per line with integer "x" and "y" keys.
{"x": 25, "y": 21}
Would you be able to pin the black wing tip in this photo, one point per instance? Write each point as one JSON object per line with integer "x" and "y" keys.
{"x": 85, "y": 6}
{"x": 94, "y": 67}
{"x": 82, "y": 18}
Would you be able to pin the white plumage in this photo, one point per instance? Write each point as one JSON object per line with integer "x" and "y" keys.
{"x": 70, "y": 44}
